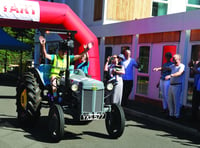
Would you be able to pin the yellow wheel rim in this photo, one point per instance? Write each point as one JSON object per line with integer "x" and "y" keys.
{"x": 23, "y": 99}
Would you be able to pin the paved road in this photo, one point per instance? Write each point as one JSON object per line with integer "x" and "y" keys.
{"x": 138, "y": 133}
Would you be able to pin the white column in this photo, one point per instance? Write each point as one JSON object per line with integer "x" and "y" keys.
{"x": 183, "y": 51}
{"x": 134, "y": 55}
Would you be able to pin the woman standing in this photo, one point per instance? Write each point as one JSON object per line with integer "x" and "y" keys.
{"x": 115, "y": 71}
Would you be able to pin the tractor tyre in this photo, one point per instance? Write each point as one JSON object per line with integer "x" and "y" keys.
{"x": 28, "y": 100}
{"x": 56, "y": 123}
{"x": 115, "y": 121}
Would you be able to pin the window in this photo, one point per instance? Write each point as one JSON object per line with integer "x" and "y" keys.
{"x": 142, "y": 85}
{"x": 191, "y": 8}
{"x": 168, "y": 48}
{"x": 159, "y": 7}
{"x": 194, "y": 54}
{"x": 194, "y": 2}
{"x": 144, "y": 59}
{"x": 108, "y": 52}
{"x": 193, "y": 5}
{"x": 123, "y": 48}
{"x": 190, "y": 92}
{"x": 98, "y": 6}
{"x": 143, "y": 77}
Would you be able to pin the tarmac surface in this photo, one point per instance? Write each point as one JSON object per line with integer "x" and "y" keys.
{"x": 153, "y": 112}
{"x": 150, "y": 110}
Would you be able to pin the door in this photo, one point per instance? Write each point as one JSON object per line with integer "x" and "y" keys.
{"x": 192, "y": 56}
{"x": 142, "y": 74}
{"x": 151, "y": 56}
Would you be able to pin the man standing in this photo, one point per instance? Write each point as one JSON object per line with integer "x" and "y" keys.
{"x": 58, "y": 61}
{"x": 175, "y": 88}
{"x": 164, "y": 84}
{"x": 128, "y": 64}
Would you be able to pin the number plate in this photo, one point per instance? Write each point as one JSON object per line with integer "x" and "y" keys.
{"x": 92, "y": 117}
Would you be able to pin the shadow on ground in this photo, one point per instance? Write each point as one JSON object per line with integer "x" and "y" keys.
{"x": 39, "y": 131}
{"x": 189, "y": 139}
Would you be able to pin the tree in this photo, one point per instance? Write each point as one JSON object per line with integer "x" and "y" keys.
{"x": 21, "y": 34}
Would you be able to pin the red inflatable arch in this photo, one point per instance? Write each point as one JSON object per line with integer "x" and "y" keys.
{"x": 40, "y": 14}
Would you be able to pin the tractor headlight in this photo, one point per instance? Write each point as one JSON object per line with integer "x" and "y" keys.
{"x": 109, "y": 86}
{"x": 74, "y": 87}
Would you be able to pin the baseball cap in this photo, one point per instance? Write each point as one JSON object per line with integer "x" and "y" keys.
{"x": 121, "y": 56}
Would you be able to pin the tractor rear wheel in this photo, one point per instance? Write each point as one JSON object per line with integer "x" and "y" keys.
{"x": 28, "y": 100}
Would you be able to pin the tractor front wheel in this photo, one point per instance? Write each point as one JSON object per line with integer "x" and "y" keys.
{"x": 115, "y": 121}
{"x": 56, "y": 122}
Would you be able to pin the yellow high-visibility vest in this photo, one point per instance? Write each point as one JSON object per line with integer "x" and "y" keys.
{"x": 58, "y": 65}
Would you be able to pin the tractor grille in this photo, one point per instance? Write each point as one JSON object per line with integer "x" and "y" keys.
{"x": 92, "y": 101}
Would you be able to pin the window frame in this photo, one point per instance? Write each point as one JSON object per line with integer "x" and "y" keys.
{"x": 159, "y": 1}
{"x": 140, "y": 74}
{"x": 190, "y": 80}
{"x": 192, "y": 6}
{"x": 98, "y": 10}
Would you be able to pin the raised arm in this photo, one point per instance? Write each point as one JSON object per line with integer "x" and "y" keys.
{"x": 42, "y": 43}
{"x": 157, "y": 69}
{"x": 86, "y": 48}
{"x": 106, "y": 64}
{"x": 161, "y": 68}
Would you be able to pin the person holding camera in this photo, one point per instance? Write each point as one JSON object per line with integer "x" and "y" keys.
{"x": 115, "y": 72}
{"x": 59, "y": 61}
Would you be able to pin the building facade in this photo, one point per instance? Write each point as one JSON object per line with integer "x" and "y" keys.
{"x": 131, "y": 23}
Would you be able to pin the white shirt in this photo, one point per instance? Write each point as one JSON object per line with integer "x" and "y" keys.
{"x": 174, "y": 69}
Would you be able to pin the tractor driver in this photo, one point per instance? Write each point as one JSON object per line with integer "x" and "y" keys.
{"x": 59, "y": 61}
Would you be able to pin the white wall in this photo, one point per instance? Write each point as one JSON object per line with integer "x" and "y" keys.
{"x": 173, "y": 22}
{"x": 176, "y": 6}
